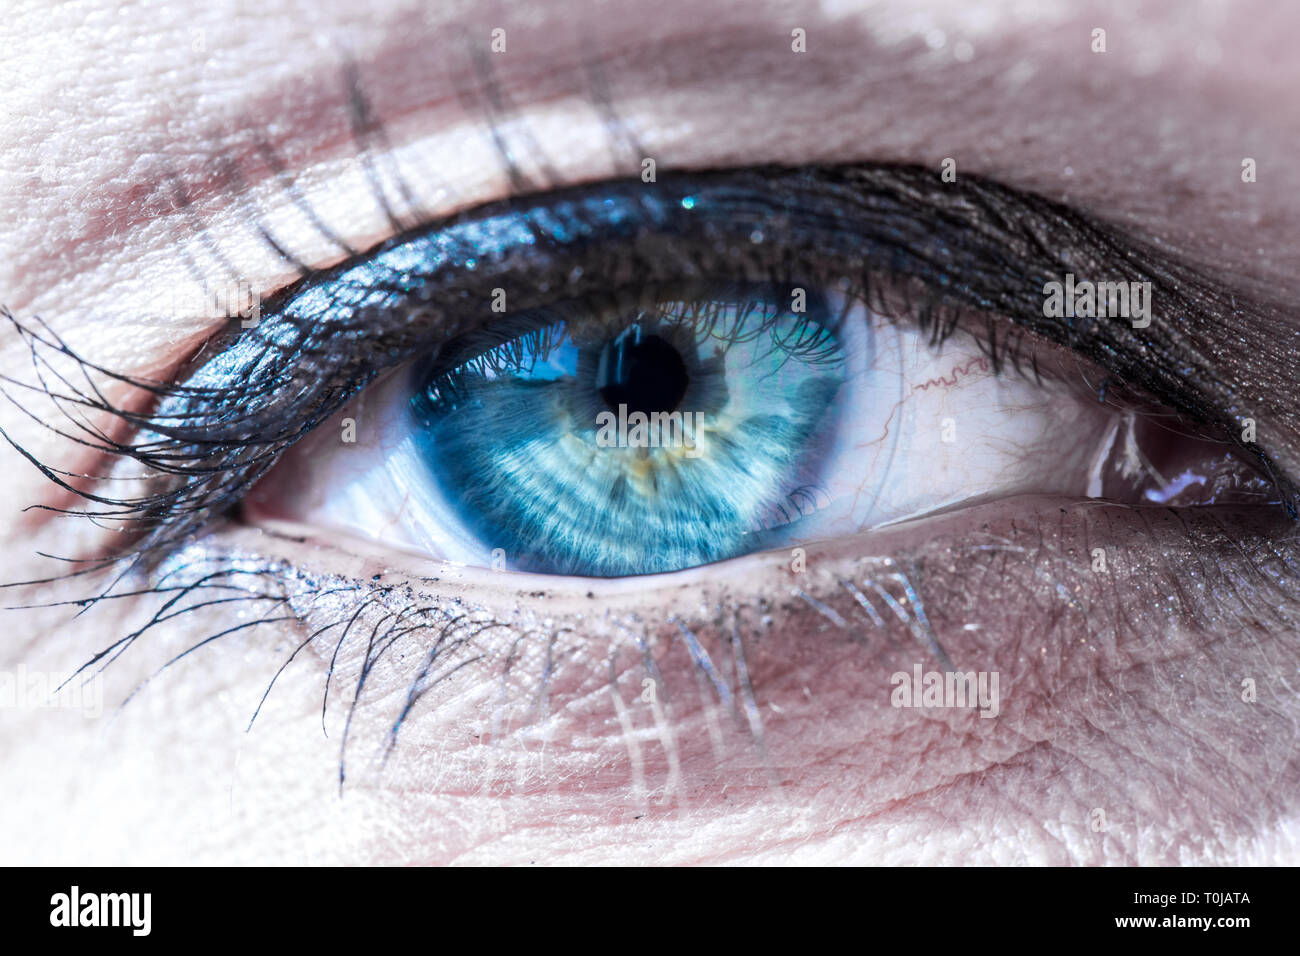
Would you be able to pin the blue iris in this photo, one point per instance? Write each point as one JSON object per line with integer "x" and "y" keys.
{"x": 621, "y": 441}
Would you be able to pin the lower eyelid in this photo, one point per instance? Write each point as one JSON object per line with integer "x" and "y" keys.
{"x": 491, "y": 663}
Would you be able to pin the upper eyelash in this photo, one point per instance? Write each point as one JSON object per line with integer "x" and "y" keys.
{"x": 949, "y": 250}
{"x": 513, "y": 345}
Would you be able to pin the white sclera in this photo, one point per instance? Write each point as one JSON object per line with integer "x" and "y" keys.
{"x": 914, "y": 429}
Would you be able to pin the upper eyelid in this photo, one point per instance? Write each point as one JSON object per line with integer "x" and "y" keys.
{"x": 217, "y": 158}
{"x": 309, "y": 122}
{"x": 1041, "y": 239}
{"x": 1047, "y": 240}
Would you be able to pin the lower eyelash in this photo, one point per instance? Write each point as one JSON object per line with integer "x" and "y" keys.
{"x": 368, "y": 635}
{"x": 364, "y": 613}
{"x": 370, "y": 619}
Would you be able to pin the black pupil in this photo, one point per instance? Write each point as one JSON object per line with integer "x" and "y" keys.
{"x": 643, "y": 372}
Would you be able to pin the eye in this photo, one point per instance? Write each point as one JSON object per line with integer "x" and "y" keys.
{"x": 632, "y": 437}
{"x": 671, "y": 430}
{"x": 647, "y": 425}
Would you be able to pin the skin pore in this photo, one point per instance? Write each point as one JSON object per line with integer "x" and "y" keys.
{"x": 134, "y": 147}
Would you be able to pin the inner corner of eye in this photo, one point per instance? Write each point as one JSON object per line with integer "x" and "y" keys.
{"x": 1160, "y": 460}
{"x": 682, "y": 426}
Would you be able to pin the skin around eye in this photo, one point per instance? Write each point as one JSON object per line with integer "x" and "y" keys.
{"x": 738, "y": 711}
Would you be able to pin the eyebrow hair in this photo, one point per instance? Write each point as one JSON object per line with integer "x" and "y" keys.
{"x": 995, "y": 130}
